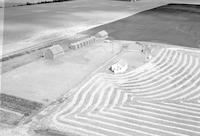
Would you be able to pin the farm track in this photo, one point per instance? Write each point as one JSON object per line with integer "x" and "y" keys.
{"x": 161, "y": 98}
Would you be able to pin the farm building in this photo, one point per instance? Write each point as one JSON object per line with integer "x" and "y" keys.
{"x": 120, "y": 67}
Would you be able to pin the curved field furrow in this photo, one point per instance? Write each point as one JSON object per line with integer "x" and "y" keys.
{"x": 160, "y": 98}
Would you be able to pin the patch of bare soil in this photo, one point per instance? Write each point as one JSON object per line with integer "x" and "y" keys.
{"x": 21, "y": 106}
{"x": 9, "y": 118}
{"x": 16, "y": 3}
{"x": 176, "y": 24}
{"x": 50, "y": 132}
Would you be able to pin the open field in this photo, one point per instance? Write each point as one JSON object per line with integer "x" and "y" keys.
{"x": 176, "y": 24}
{"x": 16, "y": 104}
{"x": 159, "y": 98}
{"x": 32, "y": 25}
{"x": 14, "y": 109}
{"x": 9, "y": 118}
{"x": 27, "y": 90}
{"x": 156, "y": 25}
{"x": 35, "y": 25}
{"x": 44, "y": 80}
{"x": 14, "y": 3}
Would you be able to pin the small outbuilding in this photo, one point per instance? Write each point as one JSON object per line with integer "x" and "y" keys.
{"x": 120, "y": 67}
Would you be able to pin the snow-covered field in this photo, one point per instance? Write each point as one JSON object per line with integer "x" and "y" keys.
{"x": 159, "y": 98}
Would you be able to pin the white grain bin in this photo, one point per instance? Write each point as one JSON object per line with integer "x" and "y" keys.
{"x": 102, "y": 34}
{"x": 54, "y": 52}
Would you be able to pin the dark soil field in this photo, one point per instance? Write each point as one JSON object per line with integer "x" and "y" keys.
{"x": 50, "y": 132}
{"x": 29, "y": 2}
{"x": 177, "y": 24}
{"x": 16, "y": 109}
{"x": 19, "y": 105}
{"x": 9, "y": 118}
